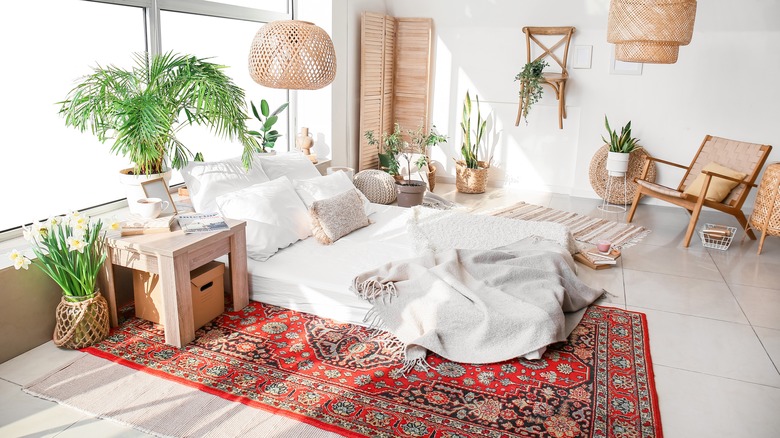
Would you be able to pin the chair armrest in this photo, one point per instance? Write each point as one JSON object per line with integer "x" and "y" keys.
{"x": 739, "y": 181}
{"x": 667, "y": 162}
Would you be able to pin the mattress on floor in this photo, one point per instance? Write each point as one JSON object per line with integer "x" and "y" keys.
{"x": 315, "y": 278}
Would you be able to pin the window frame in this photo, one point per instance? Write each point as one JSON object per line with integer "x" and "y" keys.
{"x": 153, "y": 34}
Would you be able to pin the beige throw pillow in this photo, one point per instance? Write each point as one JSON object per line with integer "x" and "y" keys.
{"x": 719, "y": 188}
{"x": 334, "y": 218}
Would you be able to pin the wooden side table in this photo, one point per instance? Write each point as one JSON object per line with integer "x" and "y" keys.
{"x": 172, "y": 256}
{"x": 766, "y": 210}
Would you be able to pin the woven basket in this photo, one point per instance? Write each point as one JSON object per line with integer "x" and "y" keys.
{"x": 81, "y": 323}
{"x": 599, "y": 177}
{"x": 766, "y": 210}
{"x": 292, "y": 54}
{"x": 650, "y": 31}
{"x": 431, "y": 177}
{"x": 471, "y": 180}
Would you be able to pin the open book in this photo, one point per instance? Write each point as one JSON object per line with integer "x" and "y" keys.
{"x": 201, "y": 222}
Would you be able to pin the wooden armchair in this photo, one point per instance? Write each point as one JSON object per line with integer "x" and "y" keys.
{"x": 746, "y": 158}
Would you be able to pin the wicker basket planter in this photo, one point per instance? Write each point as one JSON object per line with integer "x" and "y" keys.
{"x": 471, "y": 180}
{"x": 431, "y": 177}
{"x": 81, "y": 321}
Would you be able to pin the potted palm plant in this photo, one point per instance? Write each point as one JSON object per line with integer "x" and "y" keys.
{"x": 142, "y": 108}
{"x": 471, "y": 173}
{"x": 531, "y": 85}
{"x": 70, "y": 250}
{"x": 620, "y": 148}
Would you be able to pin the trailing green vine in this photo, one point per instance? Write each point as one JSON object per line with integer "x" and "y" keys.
{"x": 530, "y": 84}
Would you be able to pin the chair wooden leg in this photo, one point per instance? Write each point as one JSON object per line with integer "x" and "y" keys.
{"x": 563, "y": 98}
{"x": 634, "y": 204}
{"x": 692, "y": 224}
{"x": 743, "y": 221}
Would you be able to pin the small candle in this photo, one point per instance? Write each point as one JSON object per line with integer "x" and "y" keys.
{"x": 603, "y": 246}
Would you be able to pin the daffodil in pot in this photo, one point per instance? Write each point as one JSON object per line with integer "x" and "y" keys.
{"x": 471, "y": 173}
{"x": 140, "y": 110}
{"x": 70, "y": 250}
{"x": 620, "y": 148}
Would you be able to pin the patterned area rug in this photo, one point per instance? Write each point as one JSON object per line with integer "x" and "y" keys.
{"x": 346, "y": 378}
{"x": 584, "y": 228}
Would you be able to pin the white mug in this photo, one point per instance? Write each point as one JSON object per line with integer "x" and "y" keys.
{"x": 150, "y": 208}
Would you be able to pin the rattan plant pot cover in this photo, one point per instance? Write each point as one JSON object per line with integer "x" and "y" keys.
{"x": 471, "y": 180}
{"x": 431, "y": 177}
{"x": 82, "y": 322}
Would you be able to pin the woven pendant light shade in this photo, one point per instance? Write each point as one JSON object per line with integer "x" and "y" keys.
{"x": 292, "y": 54}
{"x": 650, "y": 31}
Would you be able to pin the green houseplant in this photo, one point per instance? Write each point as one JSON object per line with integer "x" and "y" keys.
{"x": 471, "y": 172}
{"x": 70, "y": 250}
{"x": 388, "y": 148}
{"x": 267, "y": 136}
{"x": 422, "y": 143}
{"x": 531, "y": 85}
{"x": 142, "y": 108}
{"x": 620, "y": 148}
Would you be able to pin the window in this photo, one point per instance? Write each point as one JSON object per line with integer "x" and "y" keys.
{"x": 47, "y": 168}
{"x": 184, "y": 33}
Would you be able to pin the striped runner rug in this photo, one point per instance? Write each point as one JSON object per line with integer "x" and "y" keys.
{"x": 583, "y": 228}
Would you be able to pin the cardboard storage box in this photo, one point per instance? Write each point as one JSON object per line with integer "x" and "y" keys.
{"x": 208, "y": 294}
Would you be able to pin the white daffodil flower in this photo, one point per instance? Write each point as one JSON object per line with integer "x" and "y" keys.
{"x": 14, "y": 255}
{"x": 79, "y": 222}
{"x": 21, "y": 262}
{"x": 76, "y": 244}
{"x": 114, "y": 225}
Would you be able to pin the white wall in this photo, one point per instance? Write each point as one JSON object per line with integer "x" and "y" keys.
{"x": 723, "y": 84}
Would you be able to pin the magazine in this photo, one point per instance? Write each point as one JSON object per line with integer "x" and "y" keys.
{"x": 201, "y": 222}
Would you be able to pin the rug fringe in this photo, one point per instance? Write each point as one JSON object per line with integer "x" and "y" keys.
{"x": 634, "y": 240}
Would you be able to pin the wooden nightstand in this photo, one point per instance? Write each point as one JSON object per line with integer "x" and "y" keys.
{"x": 172, "y": 256}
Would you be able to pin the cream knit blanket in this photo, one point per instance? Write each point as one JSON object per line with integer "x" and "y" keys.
{"x": 477, "y": 306}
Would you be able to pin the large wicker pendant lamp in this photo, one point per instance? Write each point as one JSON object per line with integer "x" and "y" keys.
{"x": 292, "y": 54}
{"x": 650, "y": 31}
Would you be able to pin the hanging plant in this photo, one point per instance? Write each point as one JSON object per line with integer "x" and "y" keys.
{"x": 530, "y": 84}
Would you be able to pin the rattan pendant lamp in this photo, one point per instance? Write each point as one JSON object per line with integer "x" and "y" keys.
{"x": 292, "y": 54}
{"x": 650, "y": 31}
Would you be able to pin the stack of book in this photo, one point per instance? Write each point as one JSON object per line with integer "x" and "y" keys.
{"x": 594, "y": 259}
{"x": 135, "y": 225}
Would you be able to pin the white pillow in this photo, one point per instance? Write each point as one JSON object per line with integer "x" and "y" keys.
{"x": 324, "y": 187}
{"x": 274, "y": 214}
{"x": 206, "y": 181}
{"x": 293, "y": 165}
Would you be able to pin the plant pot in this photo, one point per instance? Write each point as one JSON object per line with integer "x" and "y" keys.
{"x": 81, "y": 321}
{"x": 267, "y": 153}
{"x": 410, "y": 193}
{"x": 431, "y": 177}
{"x": 617, "y": 163}
{"x": 469, "y": 180}
{"x": 133, "y": 188}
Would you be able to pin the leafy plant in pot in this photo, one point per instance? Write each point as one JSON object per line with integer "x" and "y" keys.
{"x": 70, "y": 250}
{"x": 422, "y": 143}
{"x": 531, "y": 85}
{"x": 388, "y": 149}
{"x": 267, "y": 136}
{"x": 142, "y": 108}
{"x": 620, "y": 148}
{"x": 470, "y": 172}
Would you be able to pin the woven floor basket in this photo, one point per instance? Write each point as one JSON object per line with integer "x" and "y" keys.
{"x": 81, "y": 323}
{"x": 766, "y": 210}
{"x": 650, "y": 31}
{"x": 471, "y": 180}
{"x": 599, "y": 177}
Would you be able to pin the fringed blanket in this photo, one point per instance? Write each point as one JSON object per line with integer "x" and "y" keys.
{"x": 477, "y": 306}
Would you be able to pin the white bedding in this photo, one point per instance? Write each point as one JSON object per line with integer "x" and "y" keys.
{"x": 315, "y": 278}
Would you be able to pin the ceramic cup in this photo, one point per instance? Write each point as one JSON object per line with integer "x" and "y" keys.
{"x": 604, "y": 246}
{"x": 150, "y": 208}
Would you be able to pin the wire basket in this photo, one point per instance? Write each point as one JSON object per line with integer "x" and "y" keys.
{"x": 717, "y": 241}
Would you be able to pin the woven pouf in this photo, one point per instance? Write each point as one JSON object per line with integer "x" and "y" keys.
{"x": 599, "y": 176}
{"x": 377, "y": 185}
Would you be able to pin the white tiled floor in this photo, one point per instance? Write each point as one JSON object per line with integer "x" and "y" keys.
{"x": 714, "y": 325}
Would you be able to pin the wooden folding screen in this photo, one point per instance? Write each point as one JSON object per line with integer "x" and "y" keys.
{"x": 395, "y": 76}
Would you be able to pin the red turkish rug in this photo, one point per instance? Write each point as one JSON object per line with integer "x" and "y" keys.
{"x": 345, "y": 378}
